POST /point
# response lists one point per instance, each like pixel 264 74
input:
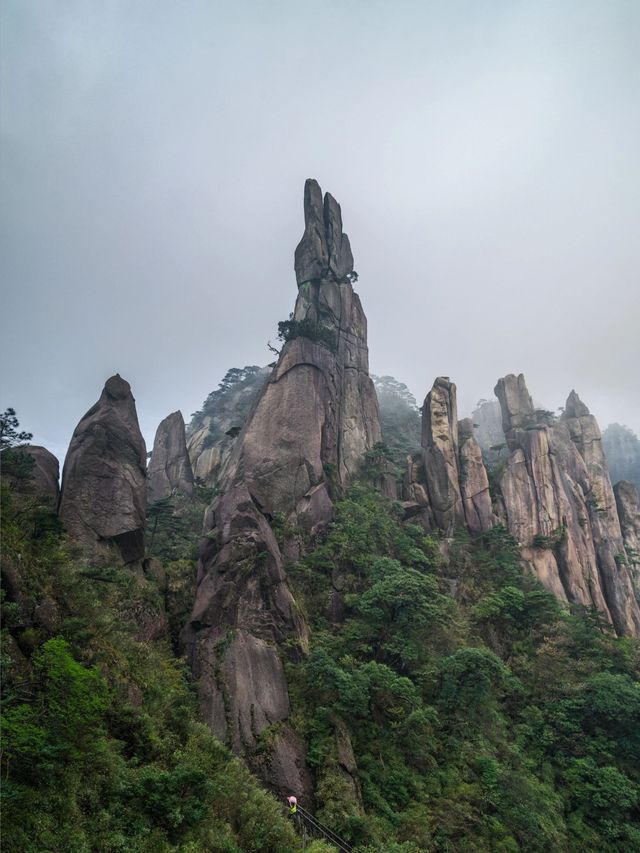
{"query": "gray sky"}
pixel 485 154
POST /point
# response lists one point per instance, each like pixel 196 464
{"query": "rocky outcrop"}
pixel 474 481
pixel 622 449
pixel 446 486
pixel 39 471
pixel 559 505
pixel 440 454
pixel 103 498
pixel 304 440
pixel 169 470
pixel 603 517
pixel 628 505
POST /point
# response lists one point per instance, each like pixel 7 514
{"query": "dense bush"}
pixel 486 720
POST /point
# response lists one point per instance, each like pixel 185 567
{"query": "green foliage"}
pixel 399 418
pixel 489 721
pixel 10 434
pixel 307 328
pixel 101 745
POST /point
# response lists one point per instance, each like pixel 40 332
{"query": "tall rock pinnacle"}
pixel 103 499
pixel 169 469
pixel 316 417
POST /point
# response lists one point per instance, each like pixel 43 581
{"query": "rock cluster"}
pixel 560 505
pixel 305 438
pixel 103 499
pixel 446 485
pixel 169 470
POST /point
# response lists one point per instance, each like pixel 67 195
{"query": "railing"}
pixel 313 825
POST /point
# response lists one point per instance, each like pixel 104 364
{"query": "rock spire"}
pixel 169 469
pixel 103 499
pixel 304 440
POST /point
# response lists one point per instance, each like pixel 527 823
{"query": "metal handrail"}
pixel 329 834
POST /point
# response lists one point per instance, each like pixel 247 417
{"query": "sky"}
pixel 152 163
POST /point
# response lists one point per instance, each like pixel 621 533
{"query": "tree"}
pixel 9 434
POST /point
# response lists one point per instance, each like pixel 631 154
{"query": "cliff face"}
pixel 315 418
pixel 169 469
pixel 560 506
pixel 43 475
pixel 103 499
pixel 622 449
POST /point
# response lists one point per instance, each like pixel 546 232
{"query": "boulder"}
pixel 169 470
pixel 103 499
pixel 42 472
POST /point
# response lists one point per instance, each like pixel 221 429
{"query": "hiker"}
pixel 292 802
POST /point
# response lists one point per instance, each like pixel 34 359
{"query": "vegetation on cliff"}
pixel 453 704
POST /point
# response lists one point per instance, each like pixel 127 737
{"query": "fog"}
pixel 153 157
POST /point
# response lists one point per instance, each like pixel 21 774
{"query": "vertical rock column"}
pixel 103 499
pixel 169 469
pixel 305 438
pixel 474 481
pixel 603 517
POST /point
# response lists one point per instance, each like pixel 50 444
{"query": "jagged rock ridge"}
pixel 560 506
pixel 316 417
pixel 103 500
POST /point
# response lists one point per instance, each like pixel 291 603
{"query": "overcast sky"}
pixel 485 153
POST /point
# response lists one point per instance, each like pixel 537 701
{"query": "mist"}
pixel 153 157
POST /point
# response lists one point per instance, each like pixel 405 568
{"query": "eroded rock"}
pixel 103 498
pixel 169 470
pixel 42 472
pixel 440 454
pixel 304 440
pixel 559 505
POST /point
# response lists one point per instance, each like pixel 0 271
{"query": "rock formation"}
pixel 559 505
pixel 622 449
pixel 43 474
pixel 446 486
pixel 103 498
pixel 474 482
pixel 628 505
pixel 169 469
pixel 440 454
pixel 305 439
